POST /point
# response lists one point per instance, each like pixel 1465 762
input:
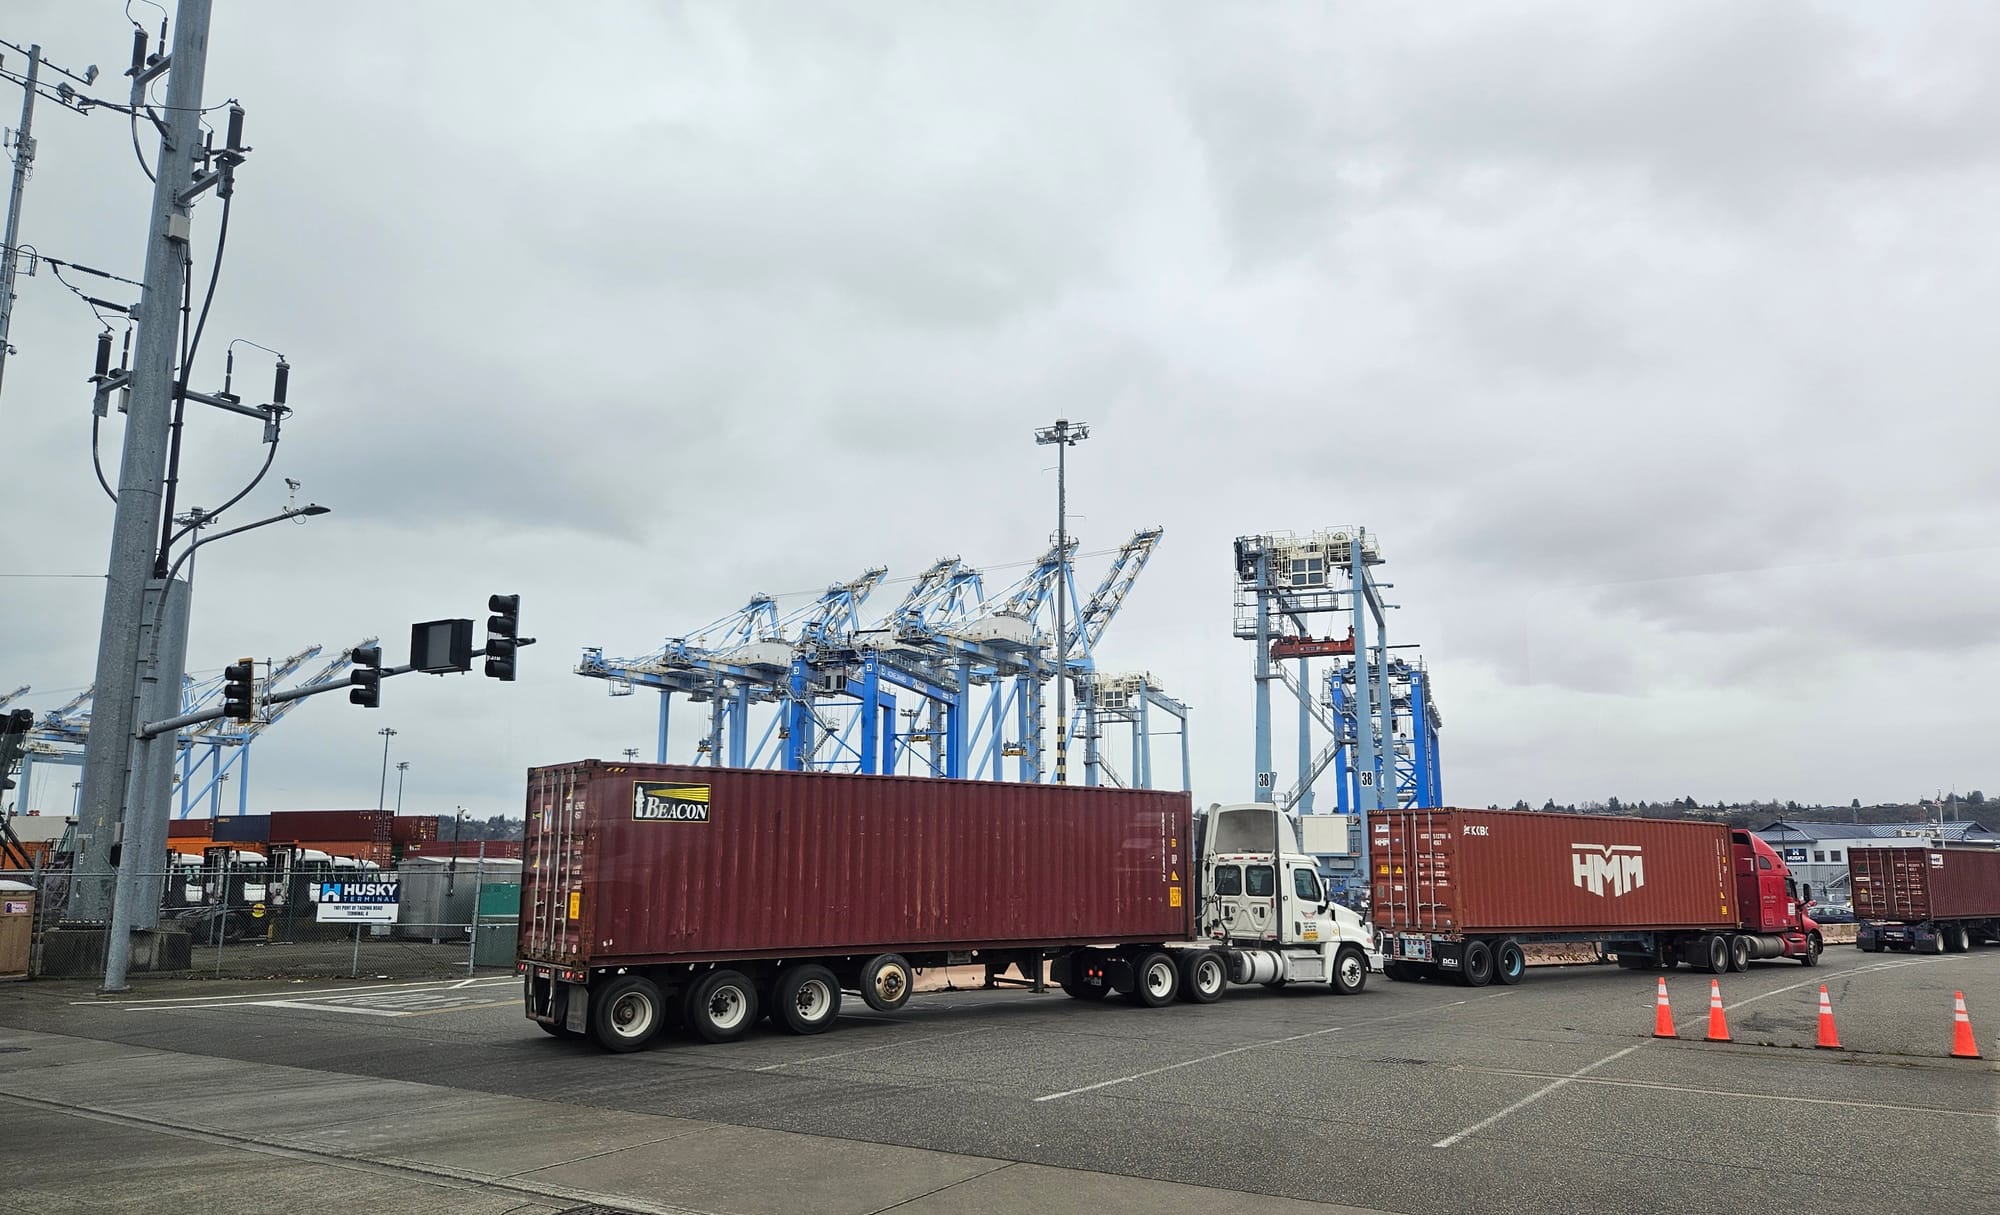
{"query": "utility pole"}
pixel 1064 435
pixel 402 766
pixel 136 524
pixel 24 160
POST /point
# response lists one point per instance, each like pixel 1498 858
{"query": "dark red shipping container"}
pixel 497 849
pixel 1495 871
pixel 413 829
pixel 1915 885
pixel 629 864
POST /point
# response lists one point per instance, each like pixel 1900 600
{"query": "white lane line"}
pixel 772 1067
pixel 198 1001
pixel 1154 1071
pixel 1533 1097
pixel 1731 1092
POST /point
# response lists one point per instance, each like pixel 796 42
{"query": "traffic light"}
pixel 238 697
pixel 503 628
pixel 14 729
pixel 366 676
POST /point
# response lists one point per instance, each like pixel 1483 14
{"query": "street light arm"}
pixel 290 512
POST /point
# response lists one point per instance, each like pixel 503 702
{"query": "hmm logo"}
pixel 1614 868
pixel 656 802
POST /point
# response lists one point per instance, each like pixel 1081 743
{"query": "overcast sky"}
pixel 1654 341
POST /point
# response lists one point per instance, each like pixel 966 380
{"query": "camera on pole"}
pixel 503 628
pixel 366 676
pixel 238 692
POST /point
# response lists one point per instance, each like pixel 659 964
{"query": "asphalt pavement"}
pixel 1420 1098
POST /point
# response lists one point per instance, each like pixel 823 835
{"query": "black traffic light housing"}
pixel 503 630
pixel 238 692
pixel 14 729
pixel 366 676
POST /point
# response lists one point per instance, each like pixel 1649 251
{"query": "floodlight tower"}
pixel 1064 435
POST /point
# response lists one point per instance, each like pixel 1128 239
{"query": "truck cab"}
pixel 1770 907
pixel 1276 919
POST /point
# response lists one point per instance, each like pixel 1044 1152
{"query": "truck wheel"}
pixel 1398 972
pixel 806 1000
pixel 1350 971
pixel 1814 946
pixel 721 1006
pixel 1203 979
pixel 1477 970
pixel 1961 940
pixel 1155 981
pixel 625 1013
pixel 1509 962
pixel 886 982
pixel 1739 954
pixel 1718 955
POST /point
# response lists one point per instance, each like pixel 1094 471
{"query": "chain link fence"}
pixel 232 921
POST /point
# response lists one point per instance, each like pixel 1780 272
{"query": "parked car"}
pixel 1832 913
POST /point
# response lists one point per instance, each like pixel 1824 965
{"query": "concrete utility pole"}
pixel 24 159
pixel 382 794
pixel 1064 435
pixel 108 752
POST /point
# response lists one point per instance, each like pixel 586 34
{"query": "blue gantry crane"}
pixel 948 682
pixel 1372 718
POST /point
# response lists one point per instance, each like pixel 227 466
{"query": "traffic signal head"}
pixel 366 676
pixel 238 695
pixel 503 628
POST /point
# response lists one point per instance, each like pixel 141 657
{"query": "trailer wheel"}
pixel 1961 940
pixel 1476 967
pixel 1739 954
pixel 1350 971
pixel 721 1006
pixel 1203 979
pixel 1717 961
pixel 886 982
pixel 805 1000
pixel 1155 980
pixel 625 1013
pixel 1510 963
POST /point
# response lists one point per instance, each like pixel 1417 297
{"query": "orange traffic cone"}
pixel 1963 1044
pixel 1828 1039
pixel 1718 1025
pixel 1663 1016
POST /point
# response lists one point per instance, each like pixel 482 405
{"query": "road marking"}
pixel 1702 1018
pixel 1154 1071
pixel 198 1001
pixel 432 1012
pixel 1730 1092
pixel 772 1067
pixel 1535 1096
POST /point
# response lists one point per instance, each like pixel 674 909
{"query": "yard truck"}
pixel 712 897
pixel 1926 899
pixel 1460 894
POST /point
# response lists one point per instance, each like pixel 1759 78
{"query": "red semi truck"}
pixel 711 895
pixel 1459 893
pixel 1928 899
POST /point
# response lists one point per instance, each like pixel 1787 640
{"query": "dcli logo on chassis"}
pixel 1613 869
pixel 665 802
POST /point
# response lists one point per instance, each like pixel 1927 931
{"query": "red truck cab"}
pixel 1769 903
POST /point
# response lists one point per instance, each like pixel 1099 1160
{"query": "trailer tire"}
pixel 1477 969
pixel 1156 981
pixel 1717 949
pixel 1203 977
pixel 721 1006
pixel 626 1012
pixel 805 1000
pixel 1961 940
pixel 886 982
pixel 1739 954
pixel 1350 971
pixel 1510 963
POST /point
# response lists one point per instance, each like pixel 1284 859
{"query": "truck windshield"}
pixel 1228 879
pixel 1260 883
